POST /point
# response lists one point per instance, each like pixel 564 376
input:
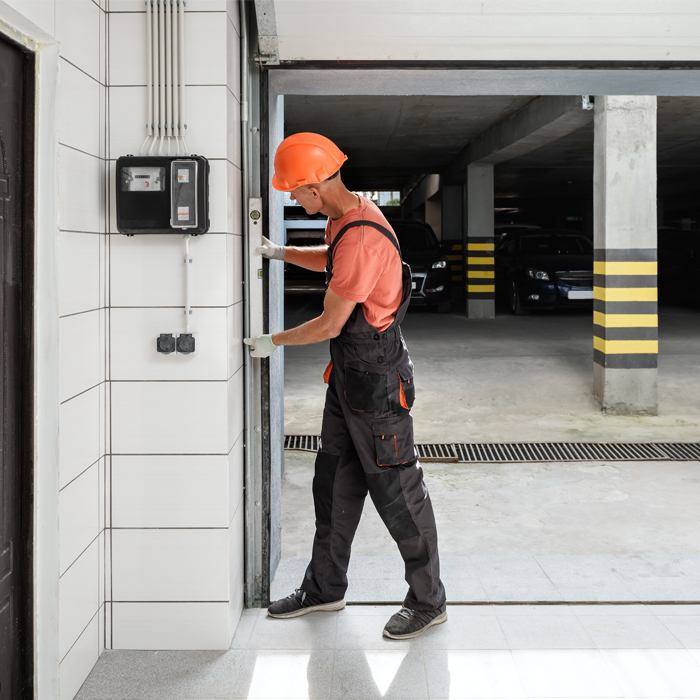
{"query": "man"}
pixel 367 432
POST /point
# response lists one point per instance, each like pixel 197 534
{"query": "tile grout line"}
pixel 70 566
pixel 663 624
pixel 65 486
pixel 79 636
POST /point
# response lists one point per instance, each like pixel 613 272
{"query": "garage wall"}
pixel 176 528
pixel 150 466
pixel 487 30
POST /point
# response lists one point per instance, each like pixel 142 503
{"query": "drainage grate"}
pixel 304 443
pixel 576 451
pixel 536 451
pixel 437 453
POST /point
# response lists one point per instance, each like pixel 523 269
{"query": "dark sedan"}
pixel 679 266
pixel 432 276
pixel 544 269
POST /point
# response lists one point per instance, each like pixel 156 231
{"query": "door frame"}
pixel 427 80
pixel 42 205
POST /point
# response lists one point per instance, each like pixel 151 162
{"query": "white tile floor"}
pixel 483 651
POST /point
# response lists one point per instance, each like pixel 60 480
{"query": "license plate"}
pixel 414 285
pixel 581 294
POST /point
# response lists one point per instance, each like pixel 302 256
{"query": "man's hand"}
pixel 269 250
pixel 262 346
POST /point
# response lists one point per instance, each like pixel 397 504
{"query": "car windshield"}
pixel 555 244
pixel 415 237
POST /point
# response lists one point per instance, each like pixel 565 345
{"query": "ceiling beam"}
pixel 268 45
pixel 539 122
pixel 421 192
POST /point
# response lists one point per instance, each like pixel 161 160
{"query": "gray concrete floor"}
pixel 527 532
pixel 482 651
pixel 511 378
pixel 573 509
pixel 584 532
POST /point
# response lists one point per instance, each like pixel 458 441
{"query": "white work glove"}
pixel 262 346
pixel 269 250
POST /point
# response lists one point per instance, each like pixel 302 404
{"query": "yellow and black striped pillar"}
pixel 481 283
pixel 625 324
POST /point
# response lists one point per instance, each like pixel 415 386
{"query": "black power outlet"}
pixel 165 343
pixel 185 343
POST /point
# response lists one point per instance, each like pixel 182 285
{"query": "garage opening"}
pixel 511 361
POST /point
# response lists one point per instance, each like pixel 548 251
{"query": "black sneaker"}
pixel 300 604
pixel 407 623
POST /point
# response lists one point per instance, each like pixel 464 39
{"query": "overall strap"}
pixel 362 222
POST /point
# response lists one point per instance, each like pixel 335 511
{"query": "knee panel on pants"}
pixel 324 478
pixel 387 495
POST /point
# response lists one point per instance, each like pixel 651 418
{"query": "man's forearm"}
pixel 329 324
pixel 315 331
pixel 310 258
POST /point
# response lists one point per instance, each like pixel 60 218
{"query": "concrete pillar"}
pixel 433 216
pixel 479 244
pixel 452 219
pixel 625 289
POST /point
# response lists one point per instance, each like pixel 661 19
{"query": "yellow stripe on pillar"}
pixel 473 274
pixel 480 261
pixel 481 288
pixel 625 320
pixel 626 347
pixel 624 268
pixel 625 293
pixel 480 246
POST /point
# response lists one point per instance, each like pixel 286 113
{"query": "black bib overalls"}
pixel 367 445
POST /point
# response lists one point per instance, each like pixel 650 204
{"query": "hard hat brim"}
pixel 277 184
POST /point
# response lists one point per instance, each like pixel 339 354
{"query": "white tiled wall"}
pixel 150 446
pixel 80 26
pixel 176 557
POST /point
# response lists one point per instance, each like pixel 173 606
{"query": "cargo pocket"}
pixel 393 440
pixel 366 391
pixel 407 389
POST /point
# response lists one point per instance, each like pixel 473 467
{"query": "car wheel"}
pixel 516 306
pixel 443 308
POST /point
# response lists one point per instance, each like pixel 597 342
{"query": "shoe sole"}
pixel 437 621
pixel 325 607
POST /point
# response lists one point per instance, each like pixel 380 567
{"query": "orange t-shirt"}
pixel 366 265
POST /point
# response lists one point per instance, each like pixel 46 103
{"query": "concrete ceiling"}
pixel 389 138
pixel 565 167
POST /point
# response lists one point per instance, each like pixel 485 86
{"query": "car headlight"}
pixel 439 264
pixel 537 274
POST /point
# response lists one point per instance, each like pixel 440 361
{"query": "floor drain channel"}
pixel 303 443
pixel 482 452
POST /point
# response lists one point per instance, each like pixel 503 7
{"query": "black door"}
pixel 16 264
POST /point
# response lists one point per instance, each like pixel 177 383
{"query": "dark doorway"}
pixel 16 407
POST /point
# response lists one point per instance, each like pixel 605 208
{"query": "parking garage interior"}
pixel 497 377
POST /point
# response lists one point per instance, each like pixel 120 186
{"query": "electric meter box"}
pixel 162 194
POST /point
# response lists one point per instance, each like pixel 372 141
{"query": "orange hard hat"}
pixel 303 159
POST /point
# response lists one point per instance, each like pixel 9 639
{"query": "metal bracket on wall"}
pixel 268 45
pixel 268 51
